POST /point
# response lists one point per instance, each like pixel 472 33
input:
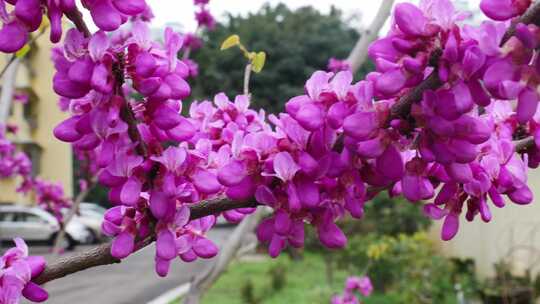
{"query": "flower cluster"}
pixel 109 15
pixel 436 121
pixel 334 148
pixel 192 41
pixel 504 10
pixel 336 65
pixel 50 197
pixel 203 16
pixel 450 140
pixel 12 162
pixel 26 16
pixel 361 285
pixel 17 269
pixel 151 185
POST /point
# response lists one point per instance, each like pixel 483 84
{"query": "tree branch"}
pixel 217 206
pixel 76 17
pixel 71 214
pixel 402 108
pixel 532 15
pixel 101 255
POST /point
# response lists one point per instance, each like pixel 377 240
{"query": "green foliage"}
pixel 258 62
pixel 256 59
pixel 296 44
pixel 278 274
pixel 392 216
pixel 404 264
pixel 305 283
pixel 507 287
pixel 248 293
pixel 232 40
pixel 384 216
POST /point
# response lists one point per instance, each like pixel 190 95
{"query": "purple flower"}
pixel 17 269
pixel 337 65
pixel 352 285
pixel 205 19
pixel 501 10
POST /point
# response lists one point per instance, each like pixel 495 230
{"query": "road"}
pixel 133 281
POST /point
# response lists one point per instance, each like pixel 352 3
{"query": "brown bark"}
pixel 101 255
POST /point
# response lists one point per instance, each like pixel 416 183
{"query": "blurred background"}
pixel 395 244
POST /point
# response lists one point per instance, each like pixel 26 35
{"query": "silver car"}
pixel 36 225
pixel 91 216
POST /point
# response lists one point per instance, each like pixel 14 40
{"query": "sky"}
pixel 182 11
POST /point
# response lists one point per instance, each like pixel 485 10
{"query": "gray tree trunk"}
pixel 358 55
pixel 202 282
pixel 8 89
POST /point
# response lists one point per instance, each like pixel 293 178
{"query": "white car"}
pixel 92 209
pixel 91 216
pixel 36 225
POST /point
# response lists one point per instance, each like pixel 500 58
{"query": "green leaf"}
pixel 22 52
pixel 258 62
pixel 231 41
pixel 250 55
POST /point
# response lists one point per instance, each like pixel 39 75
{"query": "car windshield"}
pixel 93 208
pixel 91 213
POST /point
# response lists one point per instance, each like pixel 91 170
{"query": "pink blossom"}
pixel 17 269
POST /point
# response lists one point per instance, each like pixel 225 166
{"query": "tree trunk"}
pixel 56 250
pixel 8 89
pixel 358 55
pixel 202 282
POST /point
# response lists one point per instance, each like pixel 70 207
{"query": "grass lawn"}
pixel 305 283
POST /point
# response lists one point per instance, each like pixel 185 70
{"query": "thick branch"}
pixel 402 108
pixel 98 256
pixel 207 208
pixel 101 255
pixel 531 16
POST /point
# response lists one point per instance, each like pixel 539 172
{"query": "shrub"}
pixel 405 264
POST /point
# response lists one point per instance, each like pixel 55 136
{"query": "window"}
pixel 32 218
pixel 34 152
pixel 27 217
pixel 7 217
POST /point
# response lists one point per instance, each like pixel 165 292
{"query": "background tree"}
pixel 297 43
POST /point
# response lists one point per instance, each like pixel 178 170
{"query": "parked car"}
pixel 92 209
pixel 91 216
pixel 36 225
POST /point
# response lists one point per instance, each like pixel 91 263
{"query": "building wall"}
pixel 513 234
pixel 56 157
